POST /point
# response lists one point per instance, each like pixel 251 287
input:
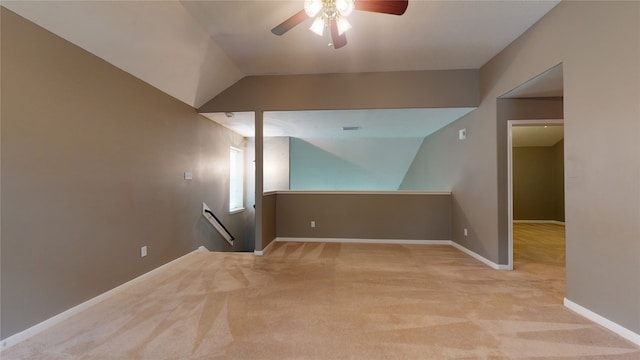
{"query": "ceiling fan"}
pixel 333 13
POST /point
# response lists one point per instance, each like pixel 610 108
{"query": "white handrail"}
pixel 208 214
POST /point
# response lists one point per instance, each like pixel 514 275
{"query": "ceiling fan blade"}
pixel 288 24
pixel 393 7
pixel 337 39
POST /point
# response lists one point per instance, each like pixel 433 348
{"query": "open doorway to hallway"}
pixel 530 112
pixel 536 193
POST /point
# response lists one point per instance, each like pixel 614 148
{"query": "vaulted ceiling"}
pixel 193 50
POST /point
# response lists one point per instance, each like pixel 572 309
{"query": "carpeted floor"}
pixel 337 301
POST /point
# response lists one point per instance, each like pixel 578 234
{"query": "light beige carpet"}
pixel 335 301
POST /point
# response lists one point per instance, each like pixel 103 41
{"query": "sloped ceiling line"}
pixel 193 50
pixel 156 41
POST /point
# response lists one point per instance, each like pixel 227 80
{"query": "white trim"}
pixel 261 252
pixel 510 193
pixel 481 258
pixel 202 249
pixel 365 241
pixel 55 320
pixel 600 320
pixel 219 227
pixel 401 242
pixel 333 192
pixel 236 211
pixel 236 180
pixel 556 222
pixel 510 125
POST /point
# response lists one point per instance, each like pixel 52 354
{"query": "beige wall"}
pixel 363 215
pixel 598 44
pixel 467 168
pixel 538 183
pixel 385 90
pixel 92 169
pixel 558 183
pixel 268 219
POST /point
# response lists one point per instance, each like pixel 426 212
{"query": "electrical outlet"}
pixel 143 251
pixel 466 232
pixel 313 223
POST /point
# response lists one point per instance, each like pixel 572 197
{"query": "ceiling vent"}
pixel 350 128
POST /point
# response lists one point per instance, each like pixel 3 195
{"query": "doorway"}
pixel 536 187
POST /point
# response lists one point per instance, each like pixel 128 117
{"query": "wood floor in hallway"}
pixel 538 243
pixel 338 301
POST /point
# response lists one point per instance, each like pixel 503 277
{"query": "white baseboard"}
pixel 600 320
pixel 42 326
pixel 402 242
pixel 556 222
pixel 200 249
pixel 264 250
pixel 480 257
pixel 365 241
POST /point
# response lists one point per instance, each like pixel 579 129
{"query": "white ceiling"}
pixel 430 35
pixel 159 42
pixel 534 136
pixel 193 50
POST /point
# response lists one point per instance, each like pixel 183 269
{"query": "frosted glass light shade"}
pixel 343 25
pixel 312 7
pixel 318 25
pixel 344 7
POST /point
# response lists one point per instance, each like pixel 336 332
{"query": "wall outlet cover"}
pixel 462 134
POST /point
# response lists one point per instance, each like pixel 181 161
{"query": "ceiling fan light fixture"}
pixel 344 7
pixel 343 25
pixel 332 14
pixel 318 25
pixel 312 7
